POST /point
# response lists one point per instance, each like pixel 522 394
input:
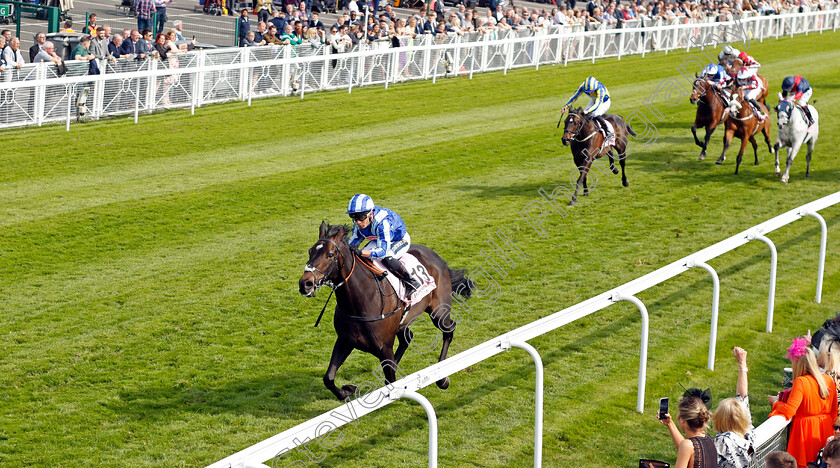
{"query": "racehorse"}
pixel 588 145
pixel 744 124
pixel 711 110
pixel 368 313
pixel 793 133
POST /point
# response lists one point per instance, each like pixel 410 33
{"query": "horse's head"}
pixel 736 66
pixel 698 90
pixel 326 259
pixel 736 100
pixel 574 124
pixel 783 110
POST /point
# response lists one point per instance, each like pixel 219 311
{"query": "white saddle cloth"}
pixel 417 271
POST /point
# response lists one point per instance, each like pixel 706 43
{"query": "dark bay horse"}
pixel 368 313
pixel 587 144
pixel 744 124
pixel 711 111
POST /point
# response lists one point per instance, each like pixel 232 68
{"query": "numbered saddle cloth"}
pixel 417 271
pixel 611 129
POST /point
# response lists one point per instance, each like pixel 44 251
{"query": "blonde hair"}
pixel 807 365
pixel 829 357
pixel 732 416
pixel 694 412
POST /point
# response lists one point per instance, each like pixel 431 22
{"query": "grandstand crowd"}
pixel 810 404
pixel 293 22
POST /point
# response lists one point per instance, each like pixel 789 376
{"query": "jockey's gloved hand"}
pixel 355 250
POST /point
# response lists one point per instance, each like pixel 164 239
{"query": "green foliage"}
pixel 151 314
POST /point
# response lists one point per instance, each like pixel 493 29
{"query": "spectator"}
pixel 160 8
pixel 90 29
pixel 303 13
pixel 733 423
pixel 178 26
pixel 82 50
pixel 829 353
pixel 315 22
pixel 12 58
pixel 264 9
pixel 99 45
pixel 244 24
pixel 812 404
pixel 48 55
pixel 144 46
pixel 697 449
pixel 107 33
pixel 279 20
pixel 271 36
pixel 259 33
pixel 248 40
pixel 40 40
pixel 831 454
pixel 114 46
pixel 144 10
pixel 779 459
pixel 129 45
pixel 820 461
pixel 68 27
pixel 160 49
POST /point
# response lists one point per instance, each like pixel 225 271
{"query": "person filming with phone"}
pixel 696 449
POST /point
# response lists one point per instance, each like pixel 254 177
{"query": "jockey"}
pixel 599 103
pixel 749 63
pixel 388 237
pixel 752 84
pixel 716 75
pixel 727 56
pixel 801 90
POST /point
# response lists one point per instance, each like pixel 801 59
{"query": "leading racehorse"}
pixel 744 124
pixel 711 111
pixel 368 313
pixel 588 145
pixel 793 133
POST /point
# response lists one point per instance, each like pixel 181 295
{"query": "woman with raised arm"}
pixel 733 423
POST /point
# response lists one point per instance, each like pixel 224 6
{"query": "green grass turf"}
pixel 149 272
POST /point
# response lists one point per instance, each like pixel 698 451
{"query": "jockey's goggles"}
pixel 359 216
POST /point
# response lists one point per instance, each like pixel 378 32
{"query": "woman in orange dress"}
pixel 812 403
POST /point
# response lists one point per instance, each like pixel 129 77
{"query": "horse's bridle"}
pixel 711 88
pixel 580 127
pixel 325 276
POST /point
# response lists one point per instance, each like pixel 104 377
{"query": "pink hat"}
pixel 797 349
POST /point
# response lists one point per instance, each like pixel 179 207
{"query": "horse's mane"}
pixel 336 229
pixel 581 114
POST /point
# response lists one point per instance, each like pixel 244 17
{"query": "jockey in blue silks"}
pixel 599 102
pixel 389 239
pixel 716 75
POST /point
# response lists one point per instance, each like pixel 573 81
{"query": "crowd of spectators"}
pixel 810 404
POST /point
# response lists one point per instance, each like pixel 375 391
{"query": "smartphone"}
pixel 663 408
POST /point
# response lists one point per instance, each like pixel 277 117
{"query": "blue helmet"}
pixel 787 84
pixel 359 204
pixel 711 69
pixel 590 84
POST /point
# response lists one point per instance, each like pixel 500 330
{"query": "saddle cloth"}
pixel 417 271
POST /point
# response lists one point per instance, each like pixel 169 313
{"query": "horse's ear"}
pixel 322 231
pixel 696 75
pixel 781 97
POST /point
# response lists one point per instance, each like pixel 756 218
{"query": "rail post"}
pixel 538 394
pixel 640 398
pixel 773 259
pixel 715 306
pixel 398 393
pixel 823 242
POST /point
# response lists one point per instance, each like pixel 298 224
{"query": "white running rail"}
pixel 35 95
pixel 310 430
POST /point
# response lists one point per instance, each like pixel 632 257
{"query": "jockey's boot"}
pixel 397 268
pixel 608 135
pixel 761 115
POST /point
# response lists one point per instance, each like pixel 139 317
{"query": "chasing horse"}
pixel 371 310
pixel 711 104
pixel 744 122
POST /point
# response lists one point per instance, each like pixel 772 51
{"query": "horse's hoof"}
pixel 784 180
pixel 755 164
pixel 348 391
pixel 701 157
pixel 443 383
pixel 573 203
pixel 615 170
pixel 720 160
pixel 625 183
pixel 778 173
pixel 807 176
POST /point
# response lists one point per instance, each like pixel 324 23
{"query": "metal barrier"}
pixel 768 436
pixel 195 79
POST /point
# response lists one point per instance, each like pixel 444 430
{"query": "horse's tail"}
pixel 630 129
pixel 461 283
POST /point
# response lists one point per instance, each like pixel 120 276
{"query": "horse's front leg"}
pixel 744 142
pixel 755 148
pixel 727 139
pixel 791 155
pixel 578 186
pixel 694 132
pixel 776 148
pixel 808 158
pixel 339 354
pixel 709 131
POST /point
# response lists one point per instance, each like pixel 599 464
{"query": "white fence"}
pixel 35 94
pixel 769 435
